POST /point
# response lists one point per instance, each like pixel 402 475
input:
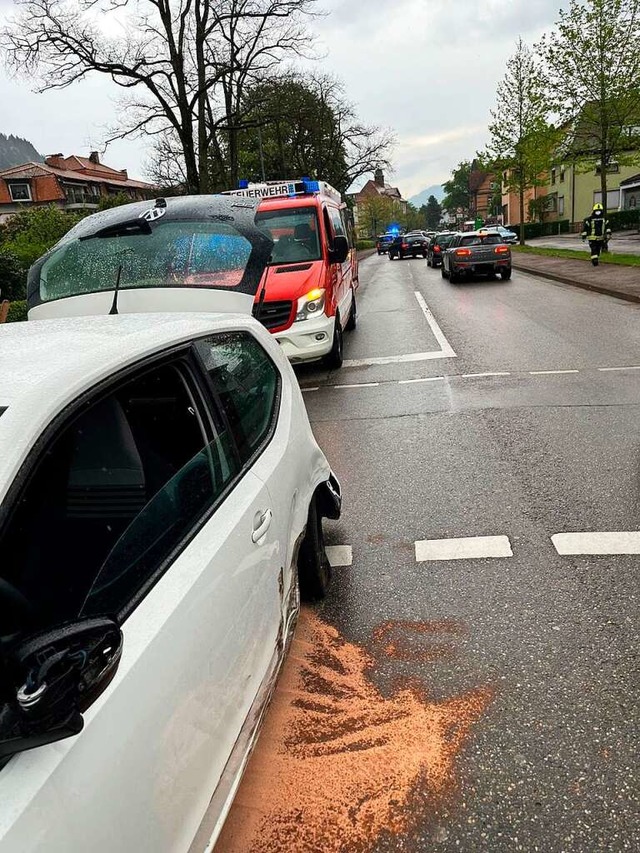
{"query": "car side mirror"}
pixel 339 251
pixel 49 679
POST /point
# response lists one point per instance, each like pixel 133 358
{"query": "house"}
pixel 70 183
pixel 532 196
pixel 482 188
pixel 630 193
pixel 377 189
pixel 575 187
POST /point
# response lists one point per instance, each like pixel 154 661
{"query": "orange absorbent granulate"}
pixel 338 765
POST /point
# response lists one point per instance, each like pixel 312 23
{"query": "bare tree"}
pixel 184 63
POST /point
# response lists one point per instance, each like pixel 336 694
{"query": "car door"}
pixel 176 537
pixel 344 292
pixel 245 381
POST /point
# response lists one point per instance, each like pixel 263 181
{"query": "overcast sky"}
pixel 426 68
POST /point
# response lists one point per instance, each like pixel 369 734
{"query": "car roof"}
pixel 47 364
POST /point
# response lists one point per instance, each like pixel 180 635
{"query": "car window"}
pixel 114 493
pixel 247 384
pixel 336 222
pixel 294 232
pixel 470 241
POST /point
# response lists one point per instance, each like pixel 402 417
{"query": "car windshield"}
pixel 444 240
pixel 174 254
pixel 478 240
pixel 295 234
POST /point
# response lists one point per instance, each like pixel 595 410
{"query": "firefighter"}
pixel 596 230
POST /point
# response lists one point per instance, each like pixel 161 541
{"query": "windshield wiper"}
pixel 128 228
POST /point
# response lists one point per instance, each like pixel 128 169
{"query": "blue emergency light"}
pixel 311 186
pixel 243 184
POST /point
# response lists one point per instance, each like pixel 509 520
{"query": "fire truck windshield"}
pixel 294 233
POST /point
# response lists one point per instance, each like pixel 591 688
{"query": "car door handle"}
pixel 261 525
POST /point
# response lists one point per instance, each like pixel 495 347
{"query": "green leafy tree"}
pixel 375 214
pixel 456 189
pixel 522 141
pixel 12 276
pixel 592 61
pixel 24 238
pixel 433 213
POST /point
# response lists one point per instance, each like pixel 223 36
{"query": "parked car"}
pixel 408 246
pixel 161 506
pixel 383 242
pixel 476 253
pixel 437 244
pixel 508 236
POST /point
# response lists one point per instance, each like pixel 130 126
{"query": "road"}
pixel 470 426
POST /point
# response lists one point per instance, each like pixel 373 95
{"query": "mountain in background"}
pixel 14 151
pixel 423 197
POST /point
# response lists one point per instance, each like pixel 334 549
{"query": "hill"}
pixel 422 198
pixel 14 151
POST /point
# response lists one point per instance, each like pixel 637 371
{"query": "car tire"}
pixel 352 322
pixel 443 272
pixel 506 275
pixel 314 569
pixel 428 261
pixel 424 254
pixel 390 256
pixel 454 278
pixel 334 358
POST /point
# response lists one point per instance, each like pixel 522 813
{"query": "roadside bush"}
pixel 541 229
pixel 624 220
pixel 362 245
pixel 17 311
pixel 31 233
pixel 12 276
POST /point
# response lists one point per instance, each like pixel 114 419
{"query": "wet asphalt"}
pixel 552 764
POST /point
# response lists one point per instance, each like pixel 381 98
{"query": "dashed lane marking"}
pixel 468 548
pixel 307 390
pixel 597 543
pixel 339 555
pixel 359 385
pixel 479 375
pixel 425 379
pixel 612 369
pixel 550 372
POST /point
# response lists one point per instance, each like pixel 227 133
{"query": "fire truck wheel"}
pixel 333 359
pixel 352 322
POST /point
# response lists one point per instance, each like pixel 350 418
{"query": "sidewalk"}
pixel 622 282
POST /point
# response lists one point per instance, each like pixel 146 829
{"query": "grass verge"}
pixel 571 254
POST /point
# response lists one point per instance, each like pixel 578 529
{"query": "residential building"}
pixel 70 183
pixel 482 188
pixel 376 189
pixel 511 200
pixel 575 187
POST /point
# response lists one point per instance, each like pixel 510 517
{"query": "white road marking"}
pixel 438 334
pixel 612 369
pixel 550 372
pixel 597 543
pixel 309 390
pixel 468 548
pixel 339 555
pixel 425 379
pixel 396 359
pixel 478 375
pixel 359 385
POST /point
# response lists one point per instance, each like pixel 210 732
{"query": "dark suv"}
pixel 383 242
pixel 409 246
pixel 437 245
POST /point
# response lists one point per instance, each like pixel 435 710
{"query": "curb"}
pixel 594 288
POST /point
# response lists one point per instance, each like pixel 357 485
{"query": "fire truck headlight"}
pixel 310 304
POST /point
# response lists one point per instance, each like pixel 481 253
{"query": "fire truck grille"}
pixel 274 314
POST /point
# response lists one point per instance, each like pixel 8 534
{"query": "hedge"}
pixel 541 229
pixel 624 220
pixel 17 311
pixel 361 245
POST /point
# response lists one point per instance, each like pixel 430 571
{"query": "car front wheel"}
pixel 314 569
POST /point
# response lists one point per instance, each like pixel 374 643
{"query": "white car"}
pixel 509 237
pixel 161 505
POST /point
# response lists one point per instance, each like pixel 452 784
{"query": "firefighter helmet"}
pixel 598 208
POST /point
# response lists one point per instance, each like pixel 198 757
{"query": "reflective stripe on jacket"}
pixel 596 228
